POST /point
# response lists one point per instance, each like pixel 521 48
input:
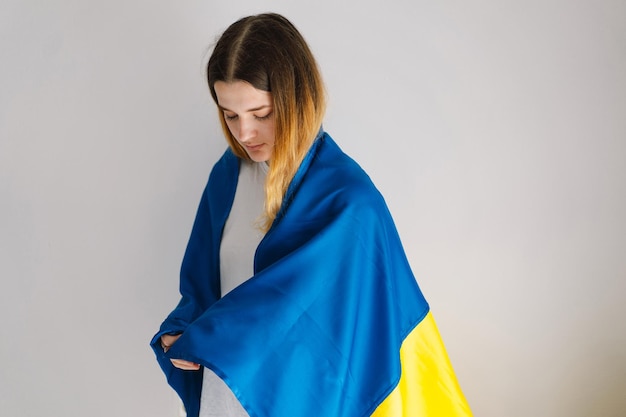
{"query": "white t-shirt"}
pixel 239 242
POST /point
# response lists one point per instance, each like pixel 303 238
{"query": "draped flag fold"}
pixel 332 323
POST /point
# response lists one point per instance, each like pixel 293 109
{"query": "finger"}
pixel 185 365
pixel 168 339
pixel 171 338
pixel 189 367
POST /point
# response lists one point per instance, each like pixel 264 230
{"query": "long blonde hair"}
pixel 268 52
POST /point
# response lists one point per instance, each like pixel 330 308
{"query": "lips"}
pixel 253 147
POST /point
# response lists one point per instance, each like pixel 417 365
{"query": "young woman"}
pixel 297 297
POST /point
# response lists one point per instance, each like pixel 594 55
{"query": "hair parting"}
pixel 269 53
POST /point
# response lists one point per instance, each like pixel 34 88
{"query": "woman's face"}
pixel 249 115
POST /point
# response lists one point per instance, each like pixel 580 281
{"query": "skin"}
pixel 249 116
pixel 167 340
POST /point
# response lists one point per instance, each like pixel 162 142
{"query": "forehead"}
pixel 241 96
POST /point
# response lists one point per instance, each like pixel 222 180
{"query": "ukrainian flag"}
pixel 427 385
pixel 332 323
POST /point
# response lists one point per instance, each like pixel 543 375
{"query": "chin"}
pixel 260 156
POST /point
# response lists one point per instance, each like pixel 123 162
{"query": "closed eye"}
pixel 267 116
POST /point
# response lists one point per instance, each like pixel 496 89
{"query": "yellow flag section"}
pixel 428 386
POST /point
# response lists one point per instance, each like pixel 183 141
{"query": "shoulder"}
pixel 226 167
pixel 345 171
pixel 227 164
pixel 337 175
pixel 222 180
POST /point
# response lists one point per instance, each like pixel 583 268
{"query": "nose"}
pixel 247 131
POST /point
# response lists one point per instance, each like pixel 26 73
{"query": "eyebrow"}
pixel 249 110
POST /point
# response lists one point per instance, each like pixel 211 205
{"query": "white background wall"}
pixel 495 129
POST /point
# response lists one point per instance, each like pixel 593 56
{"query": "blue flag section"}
pixel 332 323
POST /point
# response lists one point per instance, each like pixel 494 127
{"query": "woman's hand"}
pixel 167 340
pixel 185 365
